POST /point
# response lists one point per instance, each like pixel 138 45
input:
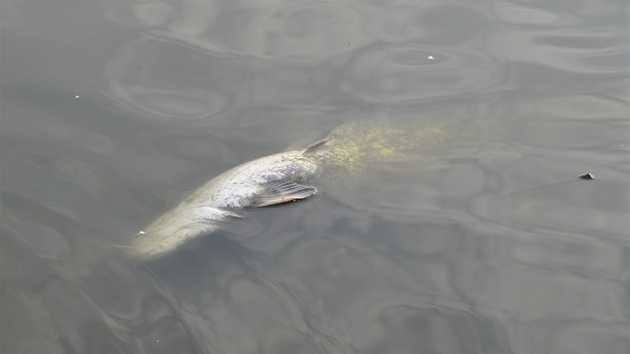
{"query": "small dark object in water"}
pixel 587 176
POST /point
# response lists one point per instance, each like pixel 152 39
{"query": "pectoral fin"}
pixel 279 192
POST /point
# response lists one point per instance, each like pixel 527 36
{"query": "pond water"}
pixel 113 112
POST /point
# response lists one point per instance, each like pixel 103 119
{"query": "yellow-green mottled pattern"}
pixel 355 146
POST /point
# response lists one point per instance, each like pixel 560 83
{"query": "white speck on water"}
pixel 430 57
pixel 77 96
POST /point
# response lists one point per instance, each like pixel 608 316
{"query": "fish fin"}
pixel 307 145
pixel 316 144
pixel 298 145
pixel 279 192
pixel 229 214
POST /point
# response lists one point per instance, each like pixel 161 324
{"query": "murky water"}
pixel 112 112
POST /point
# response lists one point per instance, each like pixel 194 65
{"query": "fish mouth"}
pixel 154 245
pixel 173 231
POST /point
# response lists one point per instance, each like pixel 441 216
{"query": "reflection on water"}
pixel 161 79
pixel 113 112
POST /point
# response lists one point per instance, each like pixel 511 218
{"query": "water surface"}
pixel 112 112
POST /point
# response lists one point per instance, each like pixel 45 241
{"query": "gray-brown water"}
pixel 113 112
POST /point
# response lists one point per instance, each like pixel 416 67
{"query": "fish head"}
pixel 176 228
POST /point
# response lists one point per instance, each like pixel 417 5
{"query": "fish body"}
pixel 266 181
pixel 349 150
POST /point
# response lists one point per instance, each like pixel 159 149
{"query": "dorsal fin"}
pixel 316 144
pixel 279 192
